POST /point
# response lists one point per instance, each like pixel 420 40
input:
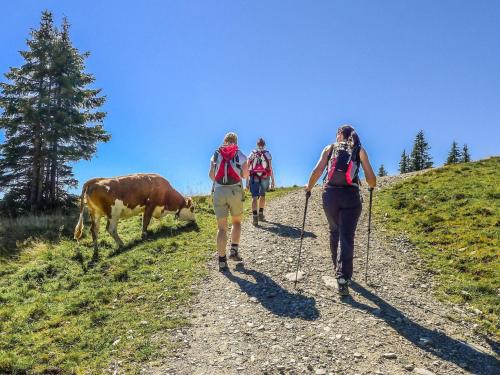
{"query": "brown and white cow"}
pixel 125 196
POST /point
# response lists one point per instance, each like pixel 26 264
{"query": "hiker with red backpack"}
pixel 260 180
pixel 341 197
pixel 228 168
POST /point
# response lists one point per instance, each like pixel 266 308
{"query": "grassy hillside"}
pixel 57 314
pixel 452 215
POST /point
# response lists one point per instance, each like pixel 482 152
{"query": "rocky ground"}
pixel 251 320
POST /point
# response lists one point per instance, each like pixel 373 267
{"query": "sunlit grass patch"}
pixel 452 215
pixel 58 313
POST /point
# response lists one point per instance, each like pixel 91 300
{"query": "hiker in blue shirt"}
pixel 260 180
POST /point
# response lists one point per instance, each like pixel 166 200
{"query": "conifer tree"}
pixel 381 171
pixel 50 119
pixel 465 154
pixel 454 156
pixel 25 103
pixel 404 163
pixel 420 157
pixel 77 125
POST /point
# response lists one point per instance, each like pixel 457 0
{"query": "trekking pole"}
pixel 370 189
pixel 308 195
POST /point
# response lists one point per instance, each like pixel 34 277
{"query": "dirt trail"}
pixel 252 321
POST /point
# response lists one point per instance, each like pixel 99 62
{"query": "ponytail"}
pixel 350 136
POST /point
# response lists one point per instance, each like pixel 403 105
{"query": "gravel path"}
pixel 251 320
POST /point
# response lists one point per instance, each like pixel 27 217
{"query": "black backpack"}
pixel 343 165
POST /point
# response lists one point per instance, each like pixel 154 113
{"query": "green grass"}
pixel 59 315
pixel 13 232
pixel 452 215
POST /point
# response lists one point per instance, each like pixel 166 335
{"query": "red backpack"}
pixel 227 165
pixel 258 164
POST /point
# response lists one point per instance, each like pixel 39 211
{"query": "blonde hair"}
pixel 231 138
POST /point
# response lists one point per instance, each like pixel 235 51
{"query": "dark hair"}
pixel 261 142
pixel 350 135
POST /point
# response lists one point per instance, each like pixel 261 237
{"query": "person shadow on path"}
pixel 283 230
pixel 434 342
pixel 273 297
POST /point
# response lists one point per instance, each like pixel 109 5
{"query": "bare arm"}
pixel 211 172
pixel 273 181
pixel 318 169
pixel 367 168
pixel 244 170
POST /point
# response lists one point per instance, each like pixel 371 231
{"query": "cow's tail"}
pixel 79 226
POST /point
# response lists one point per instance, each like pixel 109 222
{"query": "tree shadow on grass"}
pixel 283 230
pixel 162 232
pixel 273 297
pixel 16 233
pixel 447 348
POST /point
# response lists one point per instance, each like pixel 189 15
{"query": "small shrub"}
pixel 484 211
pixel 120 275
pixel 98 318
pixel 400 203
pixel 493 194
pixel 36 313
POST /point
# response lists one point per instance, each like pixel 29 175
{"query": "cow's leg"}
pixel 112 226
pixel 94 229
pixel 146 219
pixel 112 230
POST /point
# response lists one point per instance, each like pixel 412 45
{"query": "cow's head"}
pixel 187 211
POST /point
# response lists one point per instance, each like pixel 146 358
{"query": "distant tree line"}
pixel 420 157
pixel 50 118
pixel 458 156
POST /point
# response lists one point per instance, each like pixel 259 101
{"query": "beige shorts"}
pixel 228 199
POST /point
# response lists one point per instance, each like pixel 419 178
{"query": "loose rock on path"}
pixel 251 320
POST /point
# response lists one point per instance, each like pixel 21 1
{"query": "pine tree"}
pixel 454 155
pixel 381 171
pixel 465 154
pixel 77 125
pixel 420 158
pixel 25 102
pixel 50 119
pixel 404 163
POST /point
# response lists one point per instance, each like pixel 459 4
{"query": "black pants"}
pixel 342 207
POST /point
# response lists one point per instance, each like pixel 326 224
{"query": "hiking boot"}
pixel 234 255
pixel 222 264
pixel 261 216
pixel 255 220
pixel 343 287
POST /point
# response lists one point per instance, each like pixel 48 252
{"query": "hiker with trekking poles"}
pixel 228 169
pixel 260 180
pixel 341 197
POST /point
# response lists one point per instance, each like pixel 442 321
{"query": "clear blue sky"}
pixel 179 74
